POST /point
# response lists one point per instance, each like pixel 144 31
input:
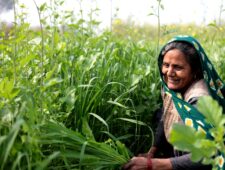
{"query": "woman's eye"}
pixel 165 65
pixel 178 67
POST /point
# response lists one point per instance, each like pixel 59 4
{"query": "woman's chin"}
pixel 173 87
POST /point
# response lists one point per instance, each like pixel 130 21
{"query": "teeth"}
pixel 173 81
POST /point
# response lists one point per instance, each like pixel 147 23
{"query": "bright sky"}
pixel 175 11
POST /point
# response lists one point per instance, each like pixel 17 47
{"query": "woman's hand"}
pixel 136 163
pixel 150 153
pixel 140 163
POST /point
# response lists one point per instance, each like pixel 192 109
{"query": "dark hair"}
pixel 190 53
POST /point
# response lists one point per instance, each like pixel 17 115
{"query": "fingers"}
pixel 146 155
pixel 129 164
pixel 150 155
pixel 142 155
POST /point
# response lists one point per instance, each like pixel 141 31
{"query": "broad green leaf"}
pixel 187 139
pixel 182 137
pixel 7 89
pixel 211 110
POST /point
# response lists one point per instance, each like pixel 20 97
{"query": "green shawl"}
pixel 214 83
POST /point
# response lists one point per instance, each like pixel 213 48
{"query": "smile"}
pixel 172 81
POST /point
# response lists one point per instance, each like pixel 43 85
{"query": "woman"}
pixel 186 75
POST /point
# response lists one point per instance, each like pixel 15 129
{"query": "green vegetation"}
pixel 209 151
pixel 74 98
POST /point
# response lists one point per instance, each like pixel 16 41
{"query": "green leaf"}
pixel 100 119
pixel 134 121
pixel 86 129
pixel 182 137
pixel 52 82
pixel 42 7
pixel 50 74
pixel 122 149
pixel 117 104
pixel 187 139
pixel 211 110
pixel 48 160
pixel 7 89
pixel 9 142
pixel 82 153
pixel 24 61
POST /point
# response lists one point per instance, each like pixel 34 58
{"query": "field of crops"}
pixel 72 97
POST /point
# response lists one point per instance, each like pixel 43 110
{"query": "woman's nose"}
pixel 170 71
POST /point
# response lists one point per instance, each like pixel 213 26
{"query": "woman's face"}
pixel 176 70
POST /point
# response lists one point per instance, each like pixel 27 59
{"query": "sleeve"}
pixel 184 163
pixel 165 149
pixel 159 135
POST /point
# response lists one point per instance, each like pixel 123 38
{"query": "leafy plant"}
pixel 78 151
pixel 101 87
pixel 209 151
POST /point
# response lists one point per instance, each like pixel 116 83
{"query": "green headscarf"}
pixel 216 87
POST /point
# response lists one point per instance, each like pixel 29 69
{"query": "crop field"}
pixel 73 97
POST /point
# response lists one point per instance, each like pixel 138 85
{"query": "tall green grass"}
pixel 100 89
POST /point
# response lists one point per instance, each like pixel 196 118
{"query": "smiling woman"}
pixel 182 62
pixel 179 67
pixel 176 70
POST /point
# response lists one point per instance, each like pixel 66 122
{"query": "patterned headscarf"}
pixel 216 87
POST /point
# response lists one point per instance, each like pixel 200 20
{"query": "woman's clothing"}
pixel 182 109
pixel 171 115
pixel 180 160
pixel 215 86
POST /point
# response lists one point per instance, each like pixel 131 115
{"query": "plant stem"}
pixel 159 25
pixel 42 49
pixel 15 43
